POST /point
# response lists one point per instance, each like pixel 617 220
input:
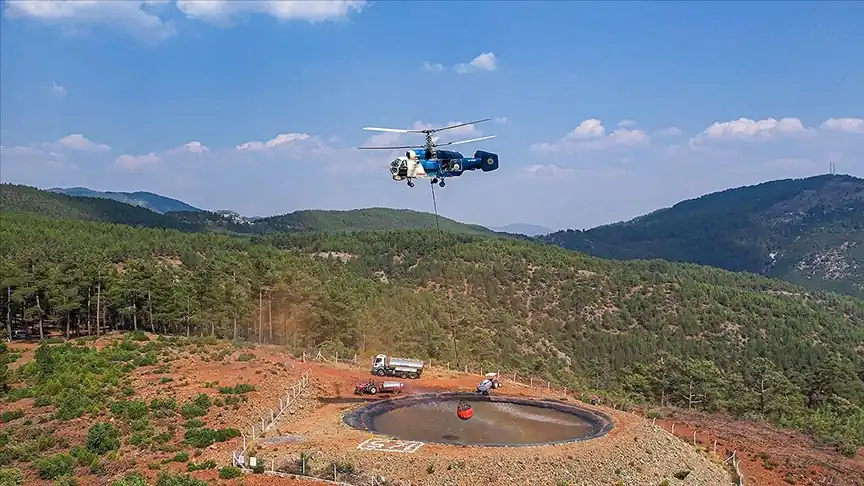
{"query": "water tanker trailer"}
pixel 384 365
pixel 372 388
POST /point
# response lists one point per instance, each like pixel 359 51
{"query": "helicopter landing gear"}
pixel 440 183
pixel 410 184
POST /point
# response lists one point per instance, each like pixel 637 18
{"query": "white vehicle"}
pixel 384 365
pixel 490 382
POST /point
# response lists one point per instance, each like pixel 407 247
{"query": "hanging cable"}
pixel 435 206
pixel 437 226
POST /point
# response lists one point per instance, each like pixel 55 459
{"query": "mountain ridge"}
pixel 150 200
pixel 809 231
pixel 31 200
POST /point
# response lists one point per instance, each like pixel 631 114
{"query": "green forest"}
pixel 644 332
pixel 808 231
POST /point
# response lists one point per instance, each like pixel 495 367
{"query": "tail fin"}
pixel 488 160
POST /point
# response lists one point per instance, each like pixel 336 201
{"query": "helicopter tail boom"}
pixel 485 161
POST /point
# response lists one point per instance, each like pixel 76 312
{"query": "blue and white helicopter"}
pixel 428 162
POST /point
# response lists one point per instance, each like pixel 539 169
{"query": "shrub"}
pixel 237 389
pixel 10 477
pixel 131 479
pixel 197 407
pixel 102 437
pixel 138 336
pixel 166 479
pixel 65 481
pixel 230 472
pixel 208 464
pixel 11 415
pixel 206 437
pixel 55 466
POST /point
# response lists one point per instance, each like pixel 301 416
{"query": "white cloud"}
pixel 547 170
pixel 484 62
pixel 58 89
pixel 747 129
pixel 149 20
pixel 591 135
pixel 77 141
pixel 150 160
pixel 134 17
pixel 135 162
pixel 668 132
pixel 626 123
pixel 435 67
pixel 500 119
pixel 287 143
pixel 73 142
pixel 851 125
pixel 193 147
pixel 222 11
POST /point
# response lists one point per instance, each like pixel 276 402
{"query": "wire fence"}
pixel 268 419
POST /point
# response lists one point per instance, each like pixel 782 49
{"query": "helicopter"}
pixel 428 162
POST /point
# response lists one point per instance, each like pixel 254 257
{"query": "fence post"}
pixel 673 428
pixel 715 445
pixel 694 437
pixel 531 383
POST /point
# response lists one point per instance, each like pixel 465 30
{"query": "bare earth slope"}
pixel 634 453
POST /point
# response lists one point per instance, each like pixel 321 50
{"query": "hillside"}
pixel 29 200
pixel 369 219
pixel 807 231
pixel 650 331
pixel 153 202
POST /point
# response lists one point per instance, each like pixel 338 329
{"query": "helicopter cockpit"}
pixel 399 168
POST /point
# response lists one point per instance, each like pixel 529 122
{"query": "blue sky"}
pixel 602 111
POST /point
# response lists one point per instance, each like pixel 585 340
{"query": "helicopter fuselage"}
pixel 447 163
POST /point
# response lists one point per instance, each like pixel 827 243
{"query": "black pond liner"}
pixel 363 418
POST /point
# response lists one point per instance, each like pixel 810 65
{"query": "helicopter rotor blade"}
pixel 467 141
pixel 393 130
pixel 389 148
pixel 433 130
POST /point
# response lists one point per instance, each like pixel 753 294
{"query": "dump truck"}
pixel 372 388
pixel 384 365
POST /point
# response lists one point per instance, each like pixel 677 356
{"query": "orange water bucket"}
pixel 464 411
